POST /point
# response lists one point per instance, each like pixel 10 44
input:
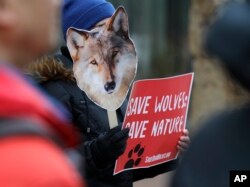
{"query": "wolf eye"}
pixel 114 53
pixel 93 62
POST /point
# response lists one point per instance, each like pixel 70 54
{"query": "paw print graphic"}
pixel 134 156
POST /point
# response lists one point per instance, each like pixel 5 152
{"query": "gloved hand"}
pixel 108 147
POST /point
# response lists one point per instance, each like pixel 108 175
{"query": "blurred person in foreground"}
pixel 33 132
pixel 102 145
pixel 223 143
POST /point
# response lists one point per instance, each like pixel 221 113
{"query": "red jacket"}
pixel 27 159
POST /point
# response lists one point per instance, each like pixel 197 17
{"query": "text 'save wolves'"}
pixel 166 103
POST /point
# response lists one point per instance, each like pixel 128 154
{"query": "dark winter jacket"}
pixel 222 145
pixel 91 121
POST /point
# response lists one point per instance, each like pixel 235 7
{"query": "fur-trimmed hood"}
pixel 50 68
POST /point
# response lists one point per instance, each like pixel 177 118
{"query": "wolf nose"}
pixel 110 86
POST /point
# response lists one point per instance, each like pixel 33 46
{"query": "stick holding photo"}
pixel 105 61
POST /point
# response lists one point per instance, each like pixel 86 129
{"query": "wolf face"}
pixel 104 59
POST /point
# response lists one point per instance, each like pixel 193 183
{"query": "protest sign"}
pixel 156 115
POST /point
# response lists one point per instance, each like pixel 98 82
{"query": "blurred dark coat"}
pixel 222 145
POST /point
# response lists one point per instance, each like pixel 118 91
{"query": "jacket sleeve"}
pixel 56 90
pixel 139 174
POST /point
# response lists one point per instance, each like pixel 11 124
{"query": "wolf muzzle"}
pixel 110 86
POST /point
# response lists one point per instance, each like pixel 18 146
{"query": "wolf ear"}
pixel 119 22
pixel 75 39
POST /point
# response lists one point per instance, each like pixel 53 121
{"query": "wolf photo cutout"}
pixel 104 60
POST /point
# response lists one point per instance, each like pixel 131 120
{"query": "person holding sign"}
pixel 104 65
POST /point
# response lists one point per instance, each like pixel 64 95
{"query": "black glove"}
pixel 108 147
